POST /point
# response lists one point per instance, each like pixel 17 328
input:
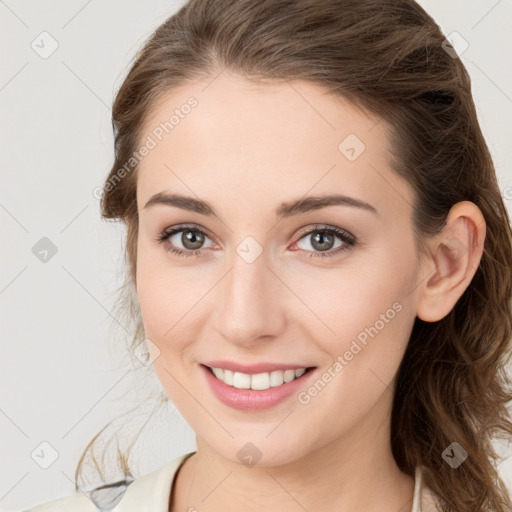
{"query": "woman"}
pixel 321 260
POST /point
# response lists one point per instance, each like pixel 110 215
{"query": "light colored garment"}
pixel 151 492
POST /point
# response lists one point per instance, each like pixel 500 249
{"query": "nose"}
pixel 250 303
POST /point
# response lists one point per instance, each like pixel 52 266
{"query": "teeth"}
pixel 258 381
pixel 228 377
pixel 241 380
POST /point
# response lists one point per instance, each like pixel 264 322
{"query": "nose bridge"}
pixel 249 306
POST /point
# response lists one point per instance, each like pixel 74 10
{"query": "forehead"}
pixel 228 135
pixel 256 112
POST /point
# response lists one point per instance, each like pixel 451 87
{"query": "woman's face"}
pixel 262 282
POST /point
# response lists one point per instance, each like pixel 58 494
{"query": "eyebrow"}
pixel 286 209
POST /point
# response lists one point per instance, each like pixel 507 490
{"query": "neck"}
pixel 335 476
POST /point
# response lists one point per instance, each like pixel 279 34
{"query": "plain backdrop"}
pixel 61 377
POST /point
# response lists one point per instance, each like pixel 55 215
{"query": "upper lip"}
pixel 254 367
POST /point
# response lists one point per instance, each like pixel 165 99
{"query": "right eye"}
pixel 190 237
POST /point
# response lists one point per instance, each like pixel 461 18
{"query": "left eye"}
pixel 322 240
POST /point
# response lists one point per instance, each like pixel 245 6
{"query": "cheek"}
pixel 370 328
pixel 364 315
pixel 162 293
pixel 172 301
pixel 166 309
pixel 347 302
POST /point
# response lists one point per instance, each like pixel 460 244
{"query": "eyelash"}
pixel 345 237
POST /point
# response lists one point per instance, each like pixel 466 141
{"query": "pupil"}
pixel 319 240
pixel 192 239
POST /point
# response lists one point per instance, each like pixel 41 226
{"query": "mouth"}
pixel 252 392
pixel 257 381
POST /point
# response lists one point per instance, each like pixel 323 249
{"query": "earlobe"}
pixel 455 255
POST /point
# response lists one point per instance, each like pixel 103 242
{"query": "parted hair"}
pixel 390 59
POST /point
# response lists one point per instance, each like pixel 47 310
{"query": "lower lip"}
pixel 252 399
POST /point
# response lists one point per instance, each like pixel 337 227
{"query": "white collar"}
pixel 151 492
pixel 418 481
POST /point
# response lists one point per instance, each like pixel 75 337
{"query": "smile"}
pixel 258 381
pixel 255 391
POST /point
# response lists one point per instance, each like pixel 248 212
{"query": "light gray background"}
pixel 60 380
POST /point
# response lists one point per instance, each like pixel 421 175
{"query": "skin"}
pixel 245 149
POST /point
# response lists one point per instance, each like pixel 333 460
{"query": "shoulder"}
pixel 151 488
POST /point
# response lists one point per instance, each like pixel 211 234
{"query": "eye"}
pixel 323 239
pixel 190 237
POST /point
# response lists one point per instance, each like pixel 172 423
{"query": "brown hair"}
pixel 390 59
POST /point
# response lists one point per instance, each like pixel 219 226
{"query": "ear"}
pixel 453 260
